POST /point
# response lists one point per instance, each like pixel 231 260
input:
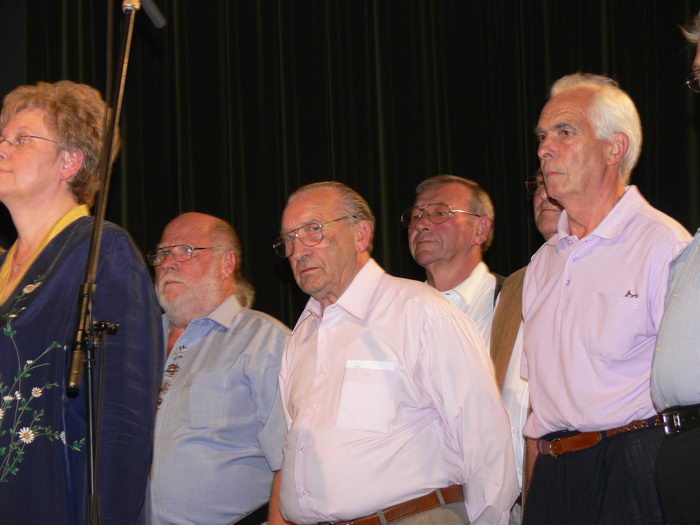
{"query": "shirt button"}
pixel 323 370
pixel 513 431
pixel 302 449
pixel 567 282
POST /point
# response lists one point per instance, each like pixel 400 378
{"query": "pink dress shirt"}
pixel 389 394
pixel 592 309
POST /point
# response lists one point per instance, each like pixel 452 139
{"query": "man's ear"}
pixel 363 235
pixel 228 264
pixel 482 229
pixel 619 146
pixel 72 163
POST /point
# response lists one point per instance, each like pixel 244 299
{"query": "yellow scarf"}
pixel 6 287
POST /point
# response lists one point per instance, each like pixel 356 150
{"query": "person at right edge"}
pixel 675 373
pixel 593 299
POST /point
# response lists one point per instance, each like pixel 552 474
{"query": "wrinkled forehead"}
pixel 571 106
pixel 184 232
pixel 319 205
pixel 453 194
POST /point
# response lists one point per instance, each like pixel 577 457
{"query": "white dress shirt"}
pixel 388 395
pixel 475 297
pixel 515 399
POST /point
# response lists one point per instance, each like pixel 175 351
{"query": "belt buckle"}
pixel 555 455
pixel 672 423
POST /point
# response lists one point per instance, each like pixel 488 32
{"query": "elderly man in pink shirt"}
pixel 592 302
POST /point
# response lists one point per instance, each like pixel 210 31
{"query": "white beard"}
pixel 199 298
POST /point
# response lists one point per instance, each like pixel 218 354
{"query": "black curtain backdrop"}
pixel 236 103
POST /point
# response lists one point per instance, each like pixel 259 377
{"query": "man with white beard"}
pixel 219 425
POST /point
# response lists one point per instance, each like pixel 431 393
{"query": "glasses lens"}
pixel 534 184
pixel 410 217
pixel 182 252
pixel 280 245
pixel 311 234
pixel 154 257
pixel 438 213
pixel 693 83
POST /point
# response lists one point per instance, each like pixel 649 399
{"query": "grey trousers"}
pixel 450 514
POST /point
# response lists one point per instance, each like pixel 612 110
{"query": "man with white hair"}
pixel 219 424
pixel 592 302
pixel 675 374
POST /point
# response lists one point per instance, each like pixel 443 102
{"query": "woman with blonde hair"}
pixel 49 156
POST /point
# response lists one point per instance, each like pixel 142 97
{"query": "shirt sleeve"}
pixel 266 394
pixel 130 368
pixel 454 370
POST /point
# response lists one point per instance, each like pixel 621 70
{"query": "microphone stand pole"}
pixel 90 334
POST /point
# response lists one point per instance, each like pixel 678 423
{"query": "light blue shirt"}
pixel 219 428
pixel 675 374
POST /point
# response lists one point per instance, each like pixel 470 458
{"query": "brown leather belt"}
pixel 399 511
pixel 583 440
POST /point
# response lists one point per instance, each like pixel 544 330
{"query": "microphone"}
pixel 151 9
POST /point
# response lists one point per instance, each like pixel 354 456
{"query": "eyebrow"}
pixel 558 125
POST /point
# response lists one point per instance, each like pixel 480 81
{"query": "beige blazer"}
pixel 506 322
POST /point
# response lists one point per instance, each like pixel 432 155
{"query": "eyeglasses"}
pixel 693 82
pixel 436 212
pixel 180 252
pixel 309 235
pixel 534 184
pixel 22 141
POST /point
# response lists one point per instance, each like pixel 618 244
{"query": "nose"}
pixel 168 263
pixel 545 150
pixel 5 148
pixel 299 249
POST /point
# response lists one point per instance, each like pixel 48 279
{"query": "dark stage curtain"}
pixel 236 103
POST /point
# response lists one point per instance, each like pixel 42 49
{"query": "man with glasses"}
pixel 507 334
pixel 675 374
pixel 219 424
pixel 392 411
pixel 450 226
pixel 592 302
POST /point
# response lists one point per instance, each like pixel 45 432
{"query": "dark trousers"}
pixel 678 477
pixel 255 518
pixel 609 484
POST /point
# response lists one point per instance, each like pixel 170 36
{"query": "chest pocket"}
pixel 617 324
pixel 368 399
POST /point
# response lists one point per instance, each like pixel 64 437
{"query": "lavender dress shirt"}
pixel 592 309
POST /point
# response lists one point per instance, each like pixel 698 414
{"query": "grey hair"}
pixel 353 202
pixel 692 32
pixel 480 201
pixel 224 234
pixel 612 111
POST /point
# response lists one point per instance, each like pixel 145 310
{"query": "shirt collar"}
pixel 356 298
pixel 469 288
pixel 222 315
pixel 613 223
